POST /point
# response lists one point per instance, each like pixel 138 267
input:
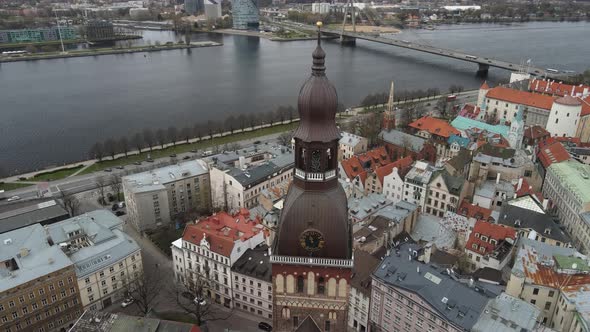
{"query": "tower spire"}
pixel 390 101
pixel 319 56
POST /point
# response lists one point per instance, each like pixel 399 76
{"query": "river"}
pixel 52 111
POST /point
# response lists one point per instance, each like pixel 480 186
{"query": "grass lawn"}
pixel 182 148
pixel 164 237
pixel 56 175
pixel 12 186
pixel 176 317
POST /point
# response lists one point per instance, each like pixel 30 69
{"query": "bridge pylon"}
pixel 482 69
pixel 346 40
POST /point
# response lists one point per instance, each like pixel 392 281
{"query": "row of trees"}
pixel 149 138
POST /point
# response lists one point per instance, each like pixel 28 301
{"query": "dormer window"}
pixel 484 238
pixel 517 222
pixel 477 235
pixel 482 249
pixel 474 246
pixel 547 231
pixel 493 241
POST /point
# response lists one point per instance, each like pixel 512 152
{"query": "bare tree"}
pixel 172 135
pixel 242 121
pixel 230 124
pixel 186 134
pixel 116 185
pixel 110 147
pixel 234 146
pixel 97 151
pixel 370 127
pixel 100 187
pixel 148 138
pixel 252 120
pixel 161 137
pixel 70 202
pixel 192 299
pixel 143 288
pixel 269 117
pixel 123 145
pixel 211 128
pixel 137 141
pixel 285 138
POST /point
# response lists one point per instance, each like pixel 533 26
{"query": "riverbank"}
pixel 107 51
pixel 267 35
pixel 23 45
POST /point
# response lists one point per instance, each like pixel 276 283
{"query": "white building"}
pixel 416 184
pixel 154 197
pixel 350 145
pixel 445 192
pixel 106 259
pixel 320 7
pixel 252 283
pixel 238 183
pixel 212 9
pixel 203 257
pixel 393 186
pixel 564 117
pixel 360 290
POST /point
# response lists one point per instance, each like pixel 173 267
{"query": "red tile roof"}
pixel 484 85
pixel 585 106
pixel 403 166
pixel 535 132
pixel 470 111
pixel 470 210
pixel 374 159
pixel 435 126
pixel 527 189
pixel 521 97
pixel 573 140
pixel 492 231
pixel 222 230
pixel 551 151
pixel 556 88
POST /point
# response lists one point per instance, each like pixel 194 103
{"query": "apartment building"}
pixel 252 283
pixel 360 290
pixel 208 249
pixel 38 289
pixel 350 145
pixel 154 198
pixel 436 131
pixel 490 245
pixel 444 193
pixel 375 181
pixel 555 279
pixel 399 145
pixel 238 183
pixel 567 185
pixel 106 259
pixel 407 295
pixel 415 189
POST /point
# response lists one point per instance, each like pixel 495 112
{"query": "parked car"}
pixel 108 169
pixel 13 198
pixel 173 155
pixel 115 207
pixel 194 150
pixel 137 163
pixel 22 178
pixel 150 160
pixel 256 142
pixel 265 326
pixel 186 158
pixel 127 302
pixel 200 301
pixel 120 213
pixel 120 167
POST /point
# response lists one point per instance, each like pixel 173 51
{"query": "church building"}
pixel 311 256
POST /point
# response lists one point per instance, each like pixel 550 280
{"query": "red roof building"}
pixel 434 126
pixel 557 88
pixel 223 231
pixel 552 151
pixel 485 237
pixel 521 97
pixel 476 212
pixel 532 135
pixel 360 164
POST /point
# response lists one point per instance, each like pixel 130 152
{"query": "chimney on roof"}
pixel 545 203
pixel 519 184
pixel 498 178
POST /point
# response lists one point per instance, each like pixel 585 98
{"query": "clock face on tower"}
pixel 311 240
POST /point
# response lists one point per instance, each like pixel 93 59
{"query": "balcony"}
pixel 346 263
pixel 315 176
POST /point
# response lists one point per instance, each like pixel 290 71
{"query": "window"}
pixel 536 291
pixel 551 293
pixel 300 284
pixel 87 280
pixel 295 321
pixel 533 301
pixel 327 326
pixel 321 285
pixel 547 305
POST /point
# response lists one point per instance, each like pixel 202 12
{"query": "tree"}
pixel 100 187
pixel 186 134
pixel 97 151
pixel 148 138
pixel 370 127
pixel 242 121
pixel 285 138
pixel 442 106
pixel 252 120
pixel 71 203
pixel 269 117
pixel 138 142
pixel 143 289
pixel 191 298
pixel 110 147
pixel 116 185
pixel 161 137
pixel 229 124
pixel 172 135
pixel 123 145
pixel 198 131
pixel 234 146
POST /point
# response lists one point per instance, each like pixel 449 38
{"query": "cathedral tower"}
pixel 389 114
pixel 312 254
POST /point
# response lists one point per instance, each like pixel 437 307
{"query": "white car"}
pixel 200 301
pixel 13 198
pixel 126 302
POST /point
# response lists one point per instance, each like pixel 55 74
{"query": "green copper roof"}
pixel 575 177
pixel 463 123
pixel 571 262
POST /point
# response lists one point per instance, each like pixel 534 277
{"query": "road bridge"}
pixel 484 63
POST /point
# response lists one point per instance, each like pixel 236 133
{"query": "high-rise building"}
pixel 193 6
pixel 312 252
pixel 245 14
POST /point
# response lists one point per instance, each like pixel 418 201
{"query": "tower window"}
pixel 321 285
pixel 327 326
pixel 300 284
pixel 295 321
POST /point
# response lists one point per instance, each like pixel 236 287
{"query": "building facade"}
pixel 38 289
pixel 38 35
pixel 444 193
pixel 252 283
pixel 154 198
pixel 245 14
pixel 416 184
pixel 350 145
pixel 106 259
